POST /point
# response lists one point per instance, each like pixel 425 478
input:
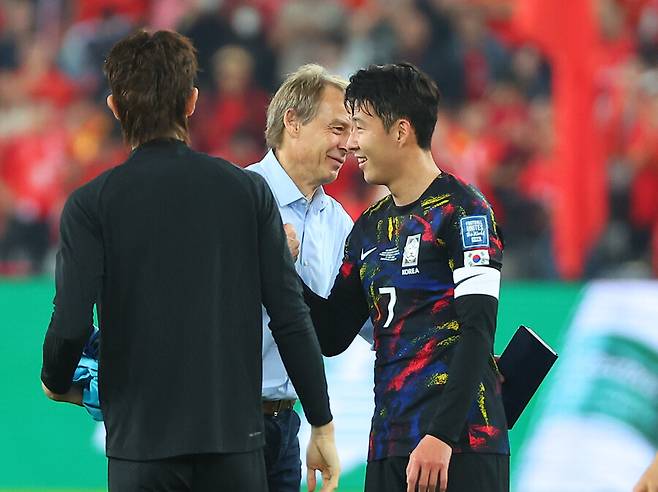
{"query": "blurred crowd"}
pixel 495 128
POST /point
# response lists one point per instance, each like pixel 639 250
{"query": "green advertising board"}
pixel 46 446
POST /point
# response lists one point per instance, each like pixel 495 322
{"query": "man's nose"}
pixel 352 143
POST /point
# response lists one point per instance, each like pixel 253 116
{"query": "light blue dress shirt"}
pixel 322 225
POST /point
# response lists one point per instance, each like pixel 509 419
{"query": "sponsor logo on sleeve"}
pixel 474 231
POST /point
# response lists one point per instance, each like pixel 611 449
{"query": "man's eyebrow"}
pixel 340 121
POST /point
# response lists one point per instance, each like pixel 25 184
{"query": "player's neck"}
pixel 418 171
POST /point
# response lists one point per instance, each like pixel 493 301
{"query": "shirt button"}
pixel 305 263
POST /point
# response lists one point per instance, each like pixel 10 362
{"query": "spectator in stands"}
pixel 232 122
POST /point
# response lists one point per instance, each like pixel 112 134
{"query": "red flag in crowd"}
pixel 567 32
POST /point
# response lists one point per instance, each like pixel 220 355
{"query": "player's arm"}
pixel 367 331
pixel 78 278
pixel 476 276
pixel 338 319
pixel 476 303
pixel 73 395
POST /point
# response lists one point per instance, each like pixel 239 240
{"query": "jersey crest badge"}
pixel 410 254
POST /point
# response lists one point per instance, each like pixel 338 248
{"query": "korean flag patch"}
pixel 475 231
pixel 476 257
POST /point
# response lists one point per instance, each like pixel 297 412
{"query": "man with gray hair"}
pixel 307 131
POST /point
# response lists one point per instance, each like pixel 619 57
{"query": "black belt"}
pixel 273 407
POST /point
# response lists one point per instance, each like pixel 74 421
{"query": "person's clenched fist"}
pixel 293 242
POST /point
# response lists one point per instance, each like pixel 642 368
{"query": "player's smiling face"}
pixel 374 148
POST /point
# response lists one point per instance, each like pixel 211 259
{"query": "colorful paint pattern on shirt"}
pixel 404 258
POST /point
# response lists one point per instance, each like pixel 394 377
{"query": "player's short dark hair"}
pixel 396 91
pixel 151 76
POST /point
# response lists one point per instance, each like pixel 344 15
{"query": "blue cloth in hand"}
pixel 86 374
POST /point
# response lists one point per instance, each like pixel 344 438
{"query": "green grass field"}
pixel 48 447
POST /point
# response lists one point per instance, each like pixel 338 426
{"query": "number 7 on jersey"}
pixel 391 304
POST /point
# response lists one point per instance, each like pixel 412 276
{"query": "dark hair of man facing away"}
pixel 396 91
pixel 151 76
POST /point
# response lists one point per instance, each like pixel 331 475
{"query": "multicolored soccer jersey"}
pixel 428 276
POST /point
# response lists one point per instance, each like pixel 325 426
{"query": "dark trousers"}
pixel 469 472
pixel 192 473
pixel 284 467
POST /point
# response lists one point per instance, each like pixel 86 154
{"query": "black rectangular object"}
pixel 524 364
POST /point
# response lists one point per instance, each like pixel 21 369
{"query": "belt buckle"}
pixel 277 409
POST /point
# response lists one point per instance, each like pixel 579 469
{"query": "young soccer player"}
pixel 424 263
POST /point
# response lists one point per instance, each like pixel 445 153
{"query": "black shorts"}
pixel 468 472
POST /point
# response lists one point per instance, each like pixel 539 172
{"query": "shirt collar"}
pixel 284 188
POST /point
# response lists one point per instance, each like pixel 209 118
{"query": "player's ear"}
pixel 403 131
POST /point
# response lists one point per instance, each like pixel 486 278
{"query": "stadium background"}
pixel 551 108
